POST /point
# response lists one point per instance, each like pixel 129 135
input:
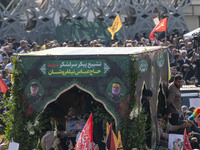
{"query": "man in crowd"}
pixel 52 140
pixel 174 101
pixel 23 44
pixel 164 127
pixel 196 60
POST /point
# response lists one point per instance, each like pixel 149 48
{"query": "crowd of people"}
pixel 184 66
pixel 183 52
pixel 173 119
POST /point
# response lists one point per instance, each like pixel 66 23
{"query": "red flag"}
pixel 197 120
pixel 161 26
pixel 86 137
pixel 42 3
pixel 186 141
pixel 3 86
pixel 110 143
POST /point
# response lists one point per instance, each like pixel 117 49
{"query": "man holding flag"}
pixel 160 27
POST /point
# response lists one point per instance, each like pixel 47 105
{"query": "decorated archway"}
pixel 71 109
pixel 73 96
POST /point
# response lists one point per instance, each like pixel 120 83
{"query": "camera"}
pixel 196 39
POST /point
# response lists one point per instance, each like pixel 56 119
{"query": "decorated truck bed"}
pixel 95 71
pixel 110 79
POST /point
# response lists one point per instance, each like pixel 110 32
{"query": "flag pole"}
pixel 123 32
pixel 165 38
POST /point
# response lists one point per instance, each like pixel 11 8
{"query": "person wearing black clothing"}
pixel 196 61
pixel 190 50
pixel 173 72
pixel 146 101
pixel 191 127
pixel 188 72
pixel 178 65
pixel 147 94
pixel 194 143
pixel 197 71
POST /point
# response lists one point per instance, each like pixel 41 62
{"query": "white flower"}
pixel 131 115
pixel 29 125
pixel 31 132
pixel 134 113
pixel 36 123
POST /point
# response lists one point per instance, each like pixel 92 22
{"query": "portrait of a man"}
pixel 116 89
pixel 34 96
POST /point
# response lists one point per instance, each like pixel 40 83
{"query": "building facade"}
pixel 37 20
pixel 192 15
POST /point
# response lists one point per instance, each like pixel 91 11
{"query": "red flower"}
pixel 124 107
pixel 128 98
pixel 28 112
pixel 22 97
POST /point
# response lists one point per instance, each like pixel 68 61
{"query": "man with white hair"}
pixel 184 108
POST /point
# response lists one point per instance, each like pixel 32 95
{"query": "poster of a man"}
pixel 175 141
pixel 34 96
pixel 116 89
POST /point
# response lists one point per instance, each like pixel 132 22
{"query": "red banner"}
pixel 161 26
pixel 186 141
pixel 86 137
pixel 3 86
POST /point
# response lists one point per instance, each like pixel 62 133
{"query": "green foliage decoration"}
pixel 21 128
pixel 133 128
pixel 15 116
pixel 99 114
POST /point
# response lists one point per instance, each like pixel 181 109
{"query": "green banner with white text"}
pixel 75 68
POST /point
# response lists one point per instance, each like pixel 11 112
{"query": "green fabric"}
pixel 39 146
pixel 76 30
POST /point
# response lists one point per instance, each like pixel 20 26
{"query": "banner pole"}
pixel 165 38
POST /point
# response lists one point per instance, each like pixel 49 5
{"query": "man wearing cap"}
pixel 116 89
pixel 34 96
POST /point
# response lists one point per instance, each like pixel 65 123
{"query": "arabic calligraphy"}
pixel 81 64
pixel 75 68
pixel 73 72
pixel 53 65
